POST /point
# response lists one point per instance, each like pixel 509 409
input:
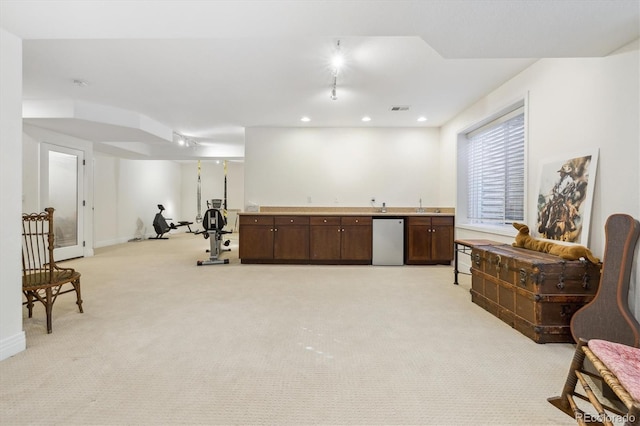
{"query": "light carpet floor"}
pixel 163 341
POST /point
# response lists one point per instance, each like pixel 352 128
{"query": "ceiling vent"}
pixel 400 108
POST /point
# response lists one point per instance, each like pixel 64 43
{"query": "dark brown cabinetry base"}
pixel 338 239
pixel 305 239
pixel 429 240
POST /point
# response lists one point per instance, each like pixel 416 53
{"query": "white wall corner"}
pixel 12 345
pixel 12 338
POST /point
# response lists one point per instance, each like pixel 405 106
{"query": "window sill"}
pixel 504 230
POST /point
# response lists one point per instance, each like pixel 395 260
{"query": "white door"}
pixel 61 187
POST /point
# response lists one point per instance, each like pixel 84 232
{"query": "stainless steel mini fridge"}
pixel 388 241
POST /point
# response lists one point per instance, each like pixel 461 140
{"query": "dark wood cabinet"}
pixel 429 240
pixel 356 238
pixel 291 238
pixel 269 239
pixel 335 239
pixel 256 238
pixel 324 238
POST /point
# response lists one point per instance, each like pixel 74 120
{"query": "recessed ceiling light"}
pixel 305 119
pixel 80 83
pixel 422 118
pixel 366 118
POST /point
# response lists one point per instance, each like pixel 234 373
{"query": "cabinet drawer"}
pixel 292 220
pixel 256 220
pixel 356 220
pixel 420 221
pixel 431 220
pixel 324 220
pixel 444 221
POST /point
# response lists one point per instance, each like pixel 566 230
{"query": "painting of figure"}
pixel 565 199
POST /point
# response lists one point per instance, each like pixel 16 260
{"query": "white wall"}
pixel 575 106
pixel 333 167
pixel 122 195
pixel 212 186
pixel 12 338
pixel 105 206
pixel 127 193
pixel 31 139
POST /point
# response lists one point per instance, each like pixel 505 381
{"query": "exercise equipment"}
pixel 161 226
pixel 213 224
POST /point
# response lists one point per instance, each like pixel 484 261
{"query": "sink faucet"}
pixel 420 209
pixel 384 208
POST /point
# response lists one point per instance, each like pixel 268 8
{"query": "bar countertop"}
pixel 350 211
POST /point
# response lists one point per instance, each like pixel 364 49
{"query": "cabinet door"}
pixel 291 242
pixel 356 238
pixel 442 243
pixel 291 238
pixel 324 242
pixel 324 238
pixel 356 243
pixel 418 243
pixel 256 242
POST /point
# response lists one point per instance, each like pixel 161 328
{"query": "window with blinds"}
pixel 496 171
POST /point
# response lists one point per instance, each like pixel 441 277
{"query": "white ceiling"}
pixel 210 69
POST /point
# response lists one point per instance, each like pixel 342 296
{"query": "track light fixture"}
pixel 336 64
pixel 334 94
pixel 80 82
pixel 337 61
pixel 182 140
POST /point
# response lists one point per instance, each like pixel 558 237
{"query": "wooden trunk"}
pixel 536 293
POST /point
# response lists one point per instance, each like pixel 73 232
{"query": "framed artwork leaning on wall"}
pixel 565 198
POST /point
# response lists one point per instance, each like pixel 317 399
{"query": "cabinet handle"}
pixel 276 229
pixel 342 229
pixel 291 220
pixel 271 229
pixel 325 221
pixel 356 220
pixel 434 230
pixel 255 220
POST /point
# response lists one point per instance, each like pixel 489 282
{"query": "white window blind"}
pixel 496 171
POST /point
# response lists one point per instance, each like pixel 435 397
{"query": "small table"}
pixel 465 246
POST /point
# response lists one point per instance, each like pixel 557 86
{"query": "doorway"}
pixel 62 187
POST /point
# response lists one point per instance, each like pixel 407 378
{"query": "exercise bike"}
pixel 161 226
pixel 213 223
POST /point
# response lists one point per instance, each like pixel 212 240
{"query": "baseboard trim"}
pixel 12 345
pixel 112 242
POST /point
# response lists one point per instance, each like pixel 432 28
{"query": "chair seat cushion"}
pixel 622 360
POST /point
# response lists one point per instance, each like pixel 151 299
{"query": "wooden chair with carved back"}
pixel 42 279
pixel 608 335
